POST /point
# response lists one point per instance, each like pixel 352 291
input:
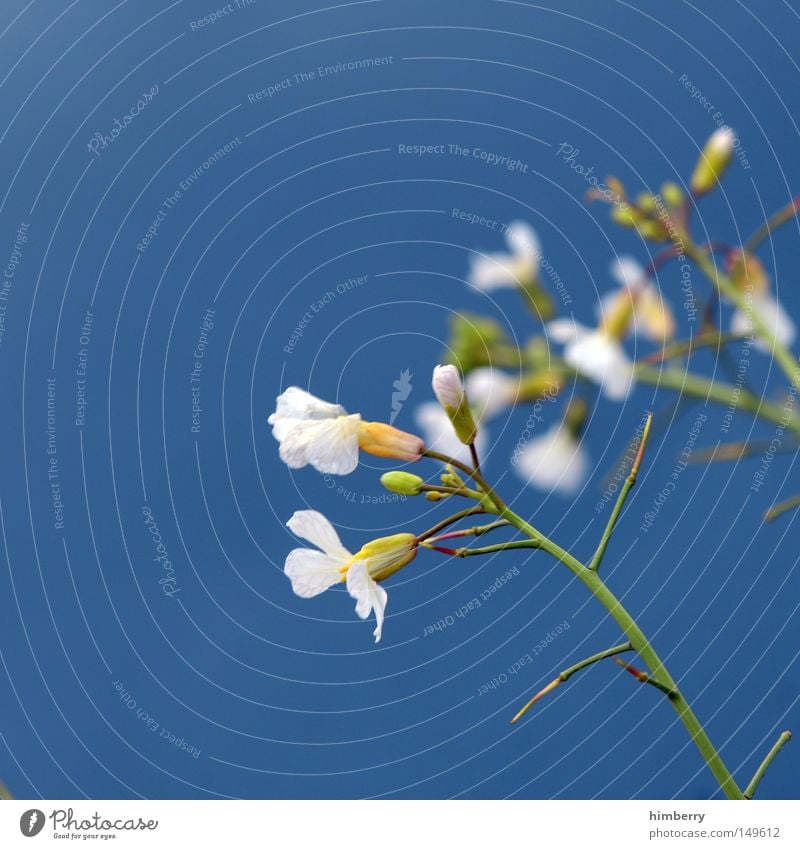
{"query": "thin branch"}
pixel 476 463
pixel 473 473
pixel 781 508
pixel 594 564
pixel 440 526
pixel 688 346
pixel 571 670
pixel 476 531
pixel 750 790
pixel 772 223
pixel 646 678
pixel 487 549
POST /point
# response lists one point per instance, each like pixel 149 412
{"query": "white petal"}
pixel 335 446
pixel 522 239
pixel 314 527
pixel 604 361
pixel 565 330
pixel 447 386
pixel 440 436
pixel 329 445
pixel 369 596
pixel 296 403
pixel 490 391
pixel 721 143
pixel 492 271
pixel 628 273
pixel 554 461
pixel 311 572
pixel 773 314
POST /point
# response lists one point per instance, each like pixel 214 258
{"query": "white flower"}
pixel 490 391
pixel 772 313
pixel 520 265
pixel 649 308
pixel 447 386
pixel 314 432
pixel 440 435
pixel 597 355
pixel 554 461
pixel 313 571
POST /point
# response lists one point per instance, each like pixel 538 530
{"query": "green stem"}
pixel 781 508
pixel 440 526
pixel 641 645
pixel 725 394
pixel 627 486
pixel 689 346
pixel 473 473
pixel 771 224
pixel 750 790
pixel 487 549
pixel 601 655
pixel 475 531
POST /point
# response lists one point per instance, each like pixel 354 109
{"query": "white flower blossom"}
pixel 501 270
pixel 650 310
pixel 596 354
pixel 555 461
pixel 490 391
pixel 772 313
pixel 314 570
pixel 314 432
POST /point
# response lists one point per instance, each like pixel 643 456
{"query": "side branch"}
pixel 750 790
pixel 594 564
pixel 571 670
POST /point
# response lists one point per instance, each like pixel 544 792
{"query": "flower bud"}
pixel 647 203
pixel 387 555
pixel 383 440
pixel 747 272
pixel 672 194
pixel 403 483
pixel 713 161
pixel 449 391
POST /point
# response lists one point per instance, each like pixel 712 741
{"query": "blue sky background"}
pixel 281 697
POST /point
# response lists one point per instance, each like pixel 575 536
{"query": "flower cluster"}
pixel 633 314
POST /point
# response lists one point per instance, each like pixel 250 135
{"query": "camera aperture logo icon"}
pixel 31 822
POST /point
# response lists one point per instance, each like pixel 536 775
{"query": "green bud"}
pixel 672 194
pixel 626 216
pixel 647 203
pixel 654 231
pixel 713 161
pixel 403 483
